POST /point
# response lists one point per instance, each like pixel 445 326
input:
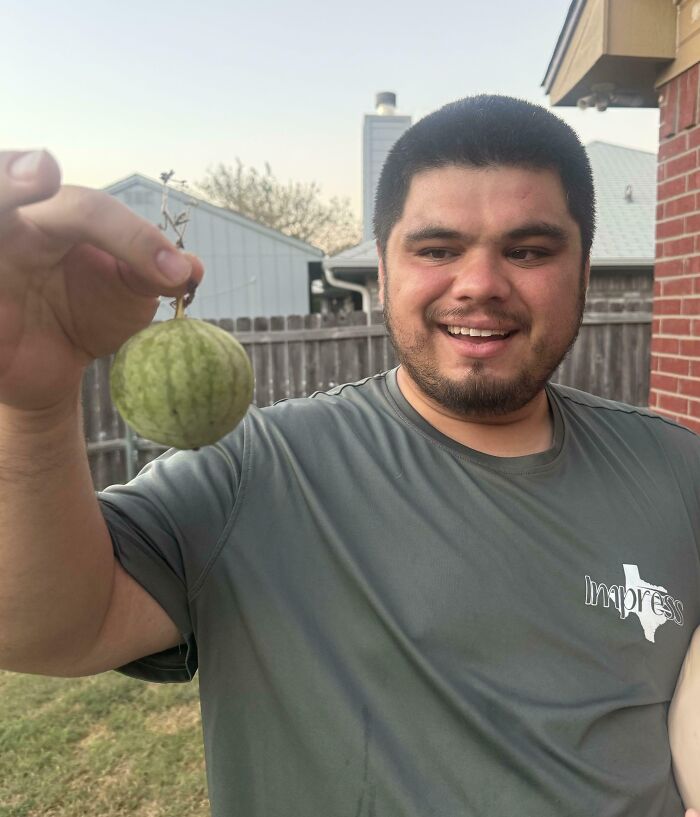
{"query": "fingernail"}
pixel 24 168
pixel 173 265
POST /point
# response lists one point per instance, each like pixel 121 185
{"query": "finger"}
pixel 27 177
pixel 152 264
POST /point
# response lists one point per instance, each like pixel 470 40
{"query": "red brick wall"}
pixel 675 343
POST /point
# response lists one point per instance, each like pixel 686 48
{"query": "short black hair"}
pixel 487 131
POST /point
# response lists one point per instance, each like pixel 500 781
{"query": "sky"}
pixel 113 89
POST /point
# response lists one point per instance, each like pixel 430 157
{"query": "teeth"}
pixel 474 333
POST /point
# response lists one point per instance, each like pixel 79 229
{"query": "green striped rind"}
pixel 184 383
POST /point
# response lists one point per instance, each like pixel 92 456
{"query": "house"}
pixel 622 256
pixel 251 270
pixel 646 53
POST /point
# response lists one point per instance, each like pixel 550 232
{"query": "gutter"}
pixel 340 284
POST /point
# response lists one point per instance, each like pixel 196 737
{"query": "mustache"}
pixel 502 318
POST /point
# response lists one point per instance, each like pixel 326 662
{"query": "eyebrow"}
pixel 432 232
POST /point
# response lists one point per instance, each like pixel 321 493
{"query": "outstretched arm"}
pixel 684 728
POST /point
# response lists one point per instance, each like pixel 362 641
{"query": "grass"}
pixel 106 745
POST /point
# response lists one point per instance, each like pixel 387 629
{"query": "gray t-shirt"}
pixel 387 623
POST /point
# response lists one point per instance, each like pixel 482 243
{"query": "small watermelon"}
pixel 183 383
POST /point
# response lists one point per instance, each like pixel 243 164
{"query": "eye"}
pixel 436 253
pixel 528 254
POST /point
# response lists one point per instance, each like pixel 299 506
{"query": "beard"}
pixel 479 394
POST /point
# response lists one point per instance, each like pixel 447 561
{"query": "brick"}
pixel 669 110
pixel 693 408
pixel 694 138
pixel 672 188
pixel 674 227
pixel 690 306
pixel 659 212
pixel 664 382
pixel 690 348
pixel 695 329
pixel 680 206
pixel 670 306
pixel 679 246
pixel 693 425
pixel 655 327
pixel 678 286
pixel 692 266
pixel 675 326
pixel 692 180
pixel 681 164
pixel 660 173
pixel 674 365
pixel 692 223
pixel 659 249
pixel 665 346
pixel 688 100
pixel 695 368
pixel 688 387
pixel 654 363
pixel 663 269
pixel 671 402
pixel 653 397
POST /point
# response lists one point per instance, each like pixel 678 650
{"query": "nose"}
pixel 481 277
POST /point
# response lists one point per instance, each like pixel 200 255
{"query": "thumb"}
pixel 692 813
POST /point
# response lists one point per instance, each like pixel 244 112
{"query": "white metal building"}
pixel 379 133
pixel 250 270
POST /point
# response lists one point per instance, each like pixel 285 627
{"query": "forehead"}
pixel 493 198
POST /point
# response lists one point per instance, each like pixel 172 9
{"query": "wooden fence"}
pixel 300 354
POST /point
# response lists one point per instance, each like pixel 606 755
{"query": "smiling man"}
pixel 451 589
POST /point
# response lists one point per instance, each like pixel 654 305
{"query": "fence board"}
pixel 297 355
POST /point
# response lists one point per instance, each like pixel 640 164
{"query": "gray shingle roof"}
pixel 625 231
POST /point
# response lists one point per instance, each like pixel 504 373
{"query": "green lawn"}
pixel 106 746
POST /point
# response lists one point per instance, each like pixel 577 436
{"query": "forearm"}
pixel 55 551
pixel 684 726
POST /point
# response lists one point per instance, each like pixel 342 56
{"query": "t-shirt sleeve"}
pixel 166 527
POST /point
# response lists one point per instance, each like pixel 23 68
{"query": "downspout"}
pixel 366 302
pixel 336 282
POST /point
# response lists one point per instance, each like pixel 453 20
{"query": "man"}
pixel 449 589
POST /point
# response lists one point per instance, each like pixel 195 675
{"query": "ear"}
pixel 381 274
pixel 587 272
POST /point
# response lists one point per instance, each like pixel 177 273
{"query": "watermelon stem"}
pixel 180 307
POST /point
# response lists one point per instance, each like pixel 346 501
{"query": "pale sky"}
pixel 119 88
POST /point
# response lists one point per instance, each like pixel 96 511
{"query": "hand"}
pixel 79 274
pixel 692 813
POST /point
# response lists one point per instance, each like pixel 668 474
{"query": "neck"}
pixel 528 430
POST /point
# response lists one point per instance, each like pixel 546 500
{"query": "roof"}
pixel 205 206
pixel 625 229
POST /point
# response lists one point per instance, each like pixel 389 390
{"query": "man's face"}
pixel 483 286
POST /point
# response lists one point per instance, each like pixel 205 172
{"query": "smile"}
pixel 476 333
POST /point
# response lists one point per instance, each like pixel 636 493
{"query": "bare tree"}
pixel 295 209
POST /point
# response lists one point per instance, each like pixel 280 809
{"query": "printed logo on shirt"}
pixel 652 604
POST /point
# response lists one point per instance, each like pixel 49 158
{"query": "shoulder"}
pixel 340 403
pixel 632 423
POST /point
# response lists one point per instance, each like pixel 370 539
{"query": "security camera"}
pixel 587 101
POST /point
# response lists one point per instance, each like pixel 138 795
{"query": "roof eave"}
pixel 565 35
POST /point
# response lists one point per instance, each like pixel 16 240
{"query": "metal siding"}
pixel 379 135
pixel 232 254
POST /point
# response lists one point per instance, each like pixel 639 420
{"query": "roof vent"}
pixel 385 103
pixel 628 193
